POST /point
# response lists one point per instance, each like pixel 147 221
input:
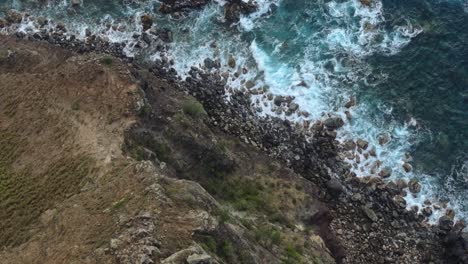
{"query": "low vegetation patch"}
pixel 193 108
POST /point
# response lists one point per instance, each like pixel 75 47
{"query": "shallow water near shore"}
pixel 405 61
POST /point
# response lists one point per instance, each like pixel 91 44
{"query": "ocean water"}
pixel 406 62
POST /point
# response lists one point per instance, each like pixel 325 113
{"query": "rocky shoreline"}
pixel 367 220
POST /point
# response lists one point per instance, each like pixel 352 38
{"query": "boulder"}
pixel 407 167
pixel 370 213
pixel 384 139
pixel 75 3
pixel 351 102
pixel 3 23
pixel 234 8
pixel 362 144
pixel 146 21
pixel 427 211
pixel 349 145
pixel 199 259
pixel 335 186
pixel 445 223
pixel 42 21
pixel 13 16
pixel 414 186
pixel 173 6
pixel 293 107
pixel 385 173
pixel 231 61
pixel 366 2
pixel 249 84
pixel 333 123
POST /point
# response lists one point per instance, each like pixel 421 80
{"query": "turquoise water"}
pixel 406 61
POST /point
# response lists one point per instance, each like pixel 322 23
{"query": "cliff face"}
pixel 97 166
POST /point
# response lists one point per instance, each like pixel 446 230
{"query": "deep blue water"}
pixel 406 61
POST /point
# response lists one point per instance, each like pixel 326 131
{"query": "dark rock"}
pixel 370 213
pixel 293 107
pixel 362 144
pixel 445 223
pixel 385 173
pixel 333 123
pixel 3 23
pixel 234 8
pixel 173 6
pixel 335 186
pixel 231 61
pixel 414 186
pixel 146 21
pixel 427 211
pixel 407 167
pixel 13 16
pixel 351 102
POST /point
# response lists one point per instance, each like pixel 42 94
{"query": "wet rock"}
pixel 349 145
pixel 399 201
pixel 231 61
pixel 414 186
pixel 282 99
pixel 146 21
pixel 362 144
pixel 75 3
pixel 427 211
pixel 174 6
pixel 293 107
pixel 348 114
pixel 401 183
pixel 384 139
pixel 42 21
pixel 351 102
pixel 407 167
pixel 3 23
pixel 234 8
pixel 445 223
pixel 317 126
pixel 366 2
pixel 385 173
pixel 249 84
pixel 13 16
pixel 333 123
pixel 370 213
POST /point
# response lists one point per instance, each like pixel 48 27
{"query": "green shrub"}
pixel 193 108
pixel 107 61
pixel 268 236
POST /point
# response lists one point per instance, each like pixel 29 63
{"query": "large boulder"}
pixel 146 21
pixel 234 8
pixel 171 6
pixel 414 186
pixel 333 123
pixel 13 16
